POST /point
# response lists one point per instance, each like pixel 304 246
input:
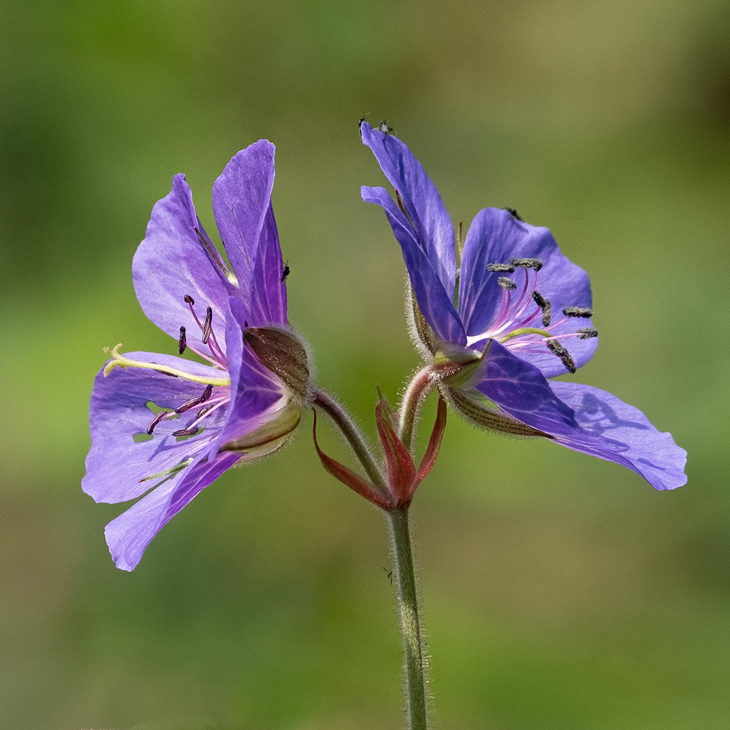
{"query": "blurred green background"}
pixel 560 591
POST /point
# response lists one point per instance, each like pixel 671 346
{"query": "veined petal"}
pixel 432 297
pixel 268 295
pixel 129 534
pixel 171 262
pixel 496 236
pixel 433 227
pixel 118 467
pixel 522 391
pixel 623 434
pixel 241 199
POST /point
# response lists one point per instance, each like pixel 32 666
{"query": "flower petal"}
pixel 171 263
pixel 496 236
pixel 118 466
pixel 522 391
pixel 241 200
pixel 433 227
pixel 623 434
pixel 129 534
pixel 433 299
pixel 268 295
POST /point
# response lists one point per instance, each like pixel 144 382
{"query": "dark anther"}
pixel 383 127
pixel 546 314
pixel 195 401
pixel 583 312
pixel 506 283
pixel 189 299
pixel 163 372
pixel 203 411
pixel 182 342
pixel 211 251
pixel 207 325
pixel 155 421
pixel 557 349
pixel 585 333
pixel 513 213
pixel 186 431
pixel 527 263
pixel 506 268
pixel 539 299
pixel 544 304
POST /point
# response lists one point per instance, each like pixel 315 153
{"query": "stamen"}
pixel 544 304
pixel 586 333
pixel 527 263
pixel 513 212
pixel 402 206
pixel 155 421
pixel 583 312
pixel 506 283
pixel 182 342
pixel 211 250
pixel 203 411
pixel 507 268
pixel 207 325
pixel 188 299
pixel 169 472
pixel 539 299
pixel 186 431
pixel 557 349
pixel 161 372
pixel 195 401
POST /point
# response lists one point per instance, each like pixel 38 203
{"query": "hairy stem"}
pixel 346 426
pixel 410 625
pixel 410 406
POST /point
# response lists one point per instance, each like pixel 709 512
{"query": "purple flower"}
pixel 165 426
pixel 515 313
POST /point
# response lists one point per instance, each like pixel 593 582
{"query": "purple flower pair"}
pixel 513 314
pixel 492 330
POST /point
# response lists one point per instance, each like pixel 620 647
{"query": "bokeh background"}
pixel 560 591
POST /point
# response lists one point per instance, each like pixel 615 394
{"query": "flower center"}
pixel 524 321
pixel 209 400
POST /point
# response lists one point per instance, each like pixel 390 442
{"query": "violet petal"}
pixel 171 263
pixel 622 433
pixel 421 198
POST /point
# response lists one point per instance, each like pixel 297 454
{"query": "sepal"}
pixel 270 436
pixel 349 478
pixel 401 469
pixel 471 406
pixel 282 353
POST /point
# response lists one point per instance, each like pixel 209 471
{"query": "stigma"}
pixel 524 321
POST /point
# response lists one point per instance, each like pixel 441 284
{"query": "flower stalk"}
pixel 411 403
pixel 409 616
pixel 346 426
pixel 393 494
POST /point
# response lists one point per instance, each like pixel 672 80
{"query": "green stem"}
pixel 346 426
pixel 410 623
